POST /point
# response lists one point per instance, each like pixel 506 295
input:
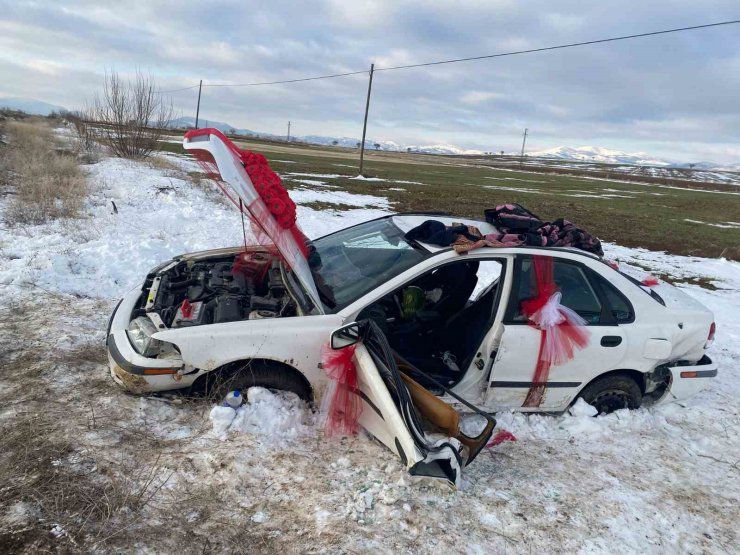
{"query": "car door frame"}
pixel 469 386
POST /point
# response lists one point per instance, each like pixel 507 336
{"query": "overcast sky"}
pixel 675 96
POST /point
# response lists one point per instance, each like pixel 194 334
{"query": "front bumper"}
pixel 688 380
pixel 129 369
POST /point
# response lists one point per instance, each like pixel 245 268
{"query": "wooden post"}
pixel 364 125
pixel 197 110
pixel 524 141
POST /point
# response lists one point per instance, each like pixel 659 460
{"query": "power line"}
pixel 471 58
pixel 177 90
pixel 289 80
pixel 561 46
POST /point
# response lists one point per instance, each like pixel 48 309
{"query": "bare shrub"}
pixel 47 184
pixel 86 138
pixel 130 115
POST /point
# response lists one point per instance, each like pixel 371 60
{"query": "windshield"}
pixel 355 261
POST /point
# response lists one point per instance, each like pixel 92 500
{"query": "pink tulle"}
pixel 341 406
pixel 650 281
pixel 564 331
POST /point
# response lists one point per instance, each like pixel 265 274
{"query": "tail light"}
pixel 710 337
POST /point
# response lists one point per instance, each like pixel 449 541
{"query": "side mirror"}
pixel 345 336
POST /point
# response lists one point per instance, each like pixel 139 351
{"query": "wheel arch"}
pixel 636 375
pixel 278 364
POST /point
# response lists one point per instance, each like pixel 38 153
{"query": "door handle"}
pixel 611 341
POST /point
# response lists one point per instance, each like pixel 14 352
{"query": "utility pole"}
pixel 524 141
pixel 288 131
pixel 364 125
pixel 197 110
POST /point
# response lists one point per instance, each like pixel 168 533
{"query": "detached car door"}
pixel 585 292
pixel 388 412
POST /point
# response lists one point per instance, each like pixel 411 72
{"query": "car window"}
pixel 356 260
pixel 620 307
pixel 577 292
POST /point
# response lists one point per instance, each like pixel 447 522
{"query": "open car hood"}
pixel 230 175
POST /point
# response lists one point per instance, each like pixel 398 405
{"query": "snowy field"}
pixel 655 480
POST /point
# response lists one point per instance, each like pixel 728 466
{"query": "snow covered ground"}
pixel 655 480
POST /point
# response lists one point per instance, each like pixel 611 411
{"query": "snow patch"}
pixel 281 417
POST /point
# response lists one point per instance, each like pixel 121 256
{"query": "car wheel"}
pixel 246 374
pixel 612 393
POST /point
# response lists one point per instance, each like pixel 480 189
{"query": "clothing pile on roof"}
pixel 461 237
pixel 515 226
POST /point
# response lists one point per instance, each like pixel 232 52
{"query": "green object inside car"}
pixel 413 299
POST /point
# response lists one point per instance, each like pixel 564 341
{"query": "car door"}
pixel 387 411
pixel 518 350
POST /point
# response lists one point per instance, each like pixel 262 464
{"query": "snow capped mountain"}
pixel 580 154
pixel 30 106
pixel 346 142
pixel 188 122
pixel 600 154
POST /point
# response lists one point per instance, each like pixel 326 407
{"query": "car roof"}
pixel 408 221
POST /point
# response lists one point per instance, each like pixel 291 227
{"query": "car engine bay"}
pixel 247 285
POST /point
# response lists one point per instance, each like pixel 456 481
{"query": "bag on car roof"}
pixel 513 217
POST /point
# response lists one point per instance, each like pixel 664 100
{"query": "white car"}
pixel 196 322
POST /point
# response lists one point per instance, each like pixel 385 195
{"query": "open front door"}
pixel 389 415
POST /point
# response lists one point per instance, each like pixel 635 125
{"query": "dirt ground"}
pixel 86 467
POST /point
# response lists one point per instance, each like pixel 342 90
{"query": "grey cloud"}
pixel 673 95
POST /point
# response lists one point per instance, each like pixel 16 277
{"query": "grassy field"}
pixel 675 219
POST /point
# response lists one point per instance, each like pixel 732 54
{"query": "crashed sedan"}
pixel 499 327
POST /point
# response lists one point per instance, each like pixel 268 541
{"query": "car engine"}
pixel 245 286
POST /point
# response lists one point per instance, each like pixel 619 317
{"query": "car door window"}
pixel 619 306
pixel 577 292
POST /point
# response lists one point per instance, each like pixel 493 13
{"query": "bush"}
pixel 130 116
pixel 47 184
pixel 86 138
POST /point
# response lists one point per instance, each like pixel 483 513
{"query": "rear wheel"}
pixel 255 373
pixel 612 393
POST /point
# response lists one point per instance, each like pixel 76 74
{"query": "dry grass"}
pixel 46 183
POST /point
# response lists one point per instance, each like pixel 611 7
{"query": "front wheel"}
pixel 612 393
pixel 257 373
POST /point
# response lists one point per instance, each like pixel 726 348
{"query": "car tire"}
pixel 255 373
pixel 611 393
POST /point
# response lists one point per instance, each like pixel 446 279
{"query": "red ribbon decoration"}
pixel 269 187
pixel 342 404
pixel 558 339
pixel 500 437
pixel 650 281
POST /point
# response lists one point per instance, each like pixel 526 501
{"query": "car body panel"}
pixel 379 414
pixel 234 175
pixel 689 380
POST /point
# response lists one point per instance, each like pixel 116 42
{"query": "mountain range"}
pixel 564 153
pixel 30 106
pixel 348 142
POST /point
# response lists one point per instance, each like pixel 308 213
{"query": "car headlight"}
pixel 140 332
